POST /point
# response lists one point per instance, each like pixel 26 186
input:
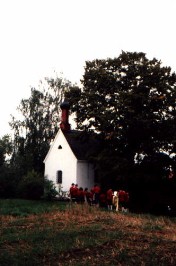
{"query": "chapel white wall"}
pixel 85 174
pixel 61 159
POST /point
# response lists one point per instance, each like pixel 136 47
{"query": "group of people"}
pixel 117 200
pixel 78 195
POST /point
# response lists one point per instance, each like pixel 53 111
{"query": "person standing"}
pixel 109 197
pixel 122 200
pixel 115 200
pixel 72 191
pixel 76 192
pixel 80 195
pixel 96 191
pixel 87 196
pixel 103 201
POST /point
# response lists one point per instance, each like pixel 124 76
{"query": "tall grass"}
pixel 19 207
pixel 56 233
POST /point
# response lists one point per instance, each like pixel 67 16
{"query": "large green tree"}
pixel 38 124
pixel 130 101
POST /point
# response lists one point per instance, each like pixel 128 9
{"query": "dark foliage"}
pixel 130 102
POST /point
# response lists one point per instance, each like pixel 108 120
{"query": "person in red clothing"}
pixel 96 194
pixel 91 197
pixel 80 195
pixel 74 192
pixel 102 199
pixel 109 196
pixel 87 196
pixel 122 200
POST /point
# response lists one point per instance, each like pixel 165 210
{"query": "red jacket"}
pixel 73 191
pixel 96 189
pixel 109 194
pixel 121 195
pixel 103 198
pixel 80 194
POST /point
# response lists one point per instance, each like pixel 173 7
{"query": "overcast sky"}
pixel 39 37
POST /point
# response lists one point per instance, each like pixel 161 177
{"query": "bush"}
pixel 31 186
pixel 50 191
pixel 8 183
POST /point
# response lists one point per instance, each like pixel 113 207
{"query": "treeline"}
pixel 130 102
pixel 22 154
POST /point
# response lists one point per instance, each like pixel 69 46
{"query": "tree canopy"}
pixel 130 101
pixel 33 131
pixel 38 124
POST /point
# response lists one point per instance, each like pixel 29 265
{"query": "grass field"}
pixel 56 233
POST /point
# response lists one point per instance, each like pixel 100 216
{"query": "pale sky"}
pixel 39 37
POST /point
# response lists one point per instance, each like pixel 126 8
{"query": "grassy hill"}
pixel 55 233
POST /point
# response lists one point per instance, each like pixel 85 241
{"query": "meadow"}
pixel 61 233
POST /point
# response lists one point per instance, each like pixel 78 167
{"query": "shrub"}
pixel 50 191
pixel 31 186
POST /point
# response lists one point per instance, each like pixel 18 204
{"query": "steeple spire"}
pixel 64 125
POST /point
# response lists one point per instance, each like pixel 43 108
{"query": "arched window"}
pixel 59 177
